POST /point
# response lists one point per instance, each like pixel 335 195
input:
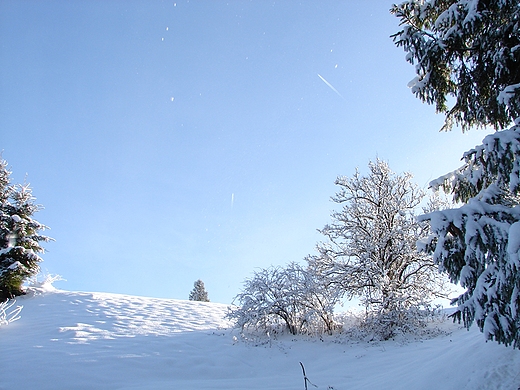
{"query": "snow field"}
pixel 76 340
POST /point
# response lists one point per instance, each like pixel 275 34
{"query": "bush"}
pixel 290 297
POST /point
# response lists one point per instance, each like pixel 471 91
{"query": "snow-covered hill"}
pixel 76 340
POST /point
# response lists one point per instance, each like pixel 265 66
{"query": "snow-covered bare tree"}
pixel 370 249
pixel 199 292
pixel 290 296
pixel 19 235
pixel 466 49
pixel 470 50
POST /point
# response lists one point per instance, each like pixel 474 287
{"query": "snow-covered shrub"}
pixel 370 250
pixel 41 283
pixel 420 322
pixel 289 297
pixel 6 315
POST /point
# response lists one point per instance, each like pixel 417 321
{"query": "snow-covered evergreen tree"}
pixel 199 292
pixel 478 244
pixel 470 50
pixel 370 249
pixel 466 49
pixel 19 235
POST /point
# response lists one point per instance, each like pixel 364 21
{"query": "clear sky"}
pixel 171 141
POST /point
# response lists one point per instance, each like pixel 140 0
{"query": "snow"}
pixel 79 340
pixel 15 265
pixel 513 242
pixel 507 93
pixel 3 251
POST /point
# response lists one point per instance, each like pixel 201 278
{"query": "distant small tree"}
pixel 199 293
pixel 19 235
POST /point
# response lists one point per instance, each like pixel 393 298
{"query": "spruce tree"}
pixel 199 293
pixel 19 235
pixel 470 50
pixel 478 244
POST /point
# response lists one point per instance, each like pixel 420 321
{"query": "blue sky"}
pixel 171 141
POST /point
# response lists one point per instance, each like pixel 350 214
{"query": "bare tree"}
pixel 370 249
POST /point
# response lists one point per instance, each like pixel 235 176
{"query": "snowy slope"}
pixel 75 340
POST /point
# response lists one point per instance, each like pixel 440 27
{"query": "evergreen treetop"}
pixel 467 51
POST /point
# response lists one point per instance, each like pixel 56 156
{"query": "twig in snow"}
pixel 305 379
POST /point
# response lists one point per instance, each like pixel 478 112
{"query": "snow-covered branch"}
pixel 6 314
